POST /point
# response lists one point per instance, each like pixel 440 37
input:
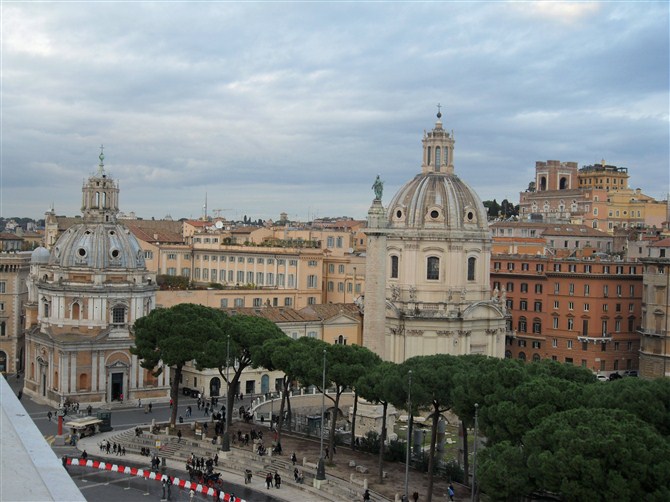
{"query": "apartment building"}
pixel 655 329
pixel 582 311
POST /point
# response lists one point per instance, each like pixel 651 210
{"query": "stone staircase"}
pixel 237 461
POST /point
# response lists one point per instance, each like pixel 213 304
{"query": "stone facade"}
pixel 14 268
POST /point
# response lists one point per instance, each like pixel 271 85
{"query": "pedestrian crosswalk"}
pixel 50 438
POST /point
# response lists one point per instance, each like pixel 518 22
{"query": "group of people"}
pixel 269 479
pixel 298 476
pixel 106 447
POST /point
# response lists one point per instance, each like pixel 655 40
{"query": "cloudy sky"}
pixel 272 107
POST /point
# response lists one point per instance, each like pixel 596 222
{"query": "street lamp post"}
pixel 473 493
pixel 409 433
pixel 321 466
pixel 225 444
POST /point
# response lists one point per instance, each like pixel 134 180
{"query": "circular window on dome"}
pixel 112 232
pixel 115 253
pixel 398 214
pixel 88 232
pixel 81 252
pixel 434 214
pixel 470 215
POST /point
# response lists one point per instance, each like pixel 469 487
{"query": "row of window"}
pixel 586 268
pixel 340 287
pixel 331 268
pixel 432 268
pixel 258 302
pixel 569 360
pixel 606 291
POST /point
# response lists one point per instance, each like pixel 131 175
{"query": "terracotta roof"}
pixel 274 314
pixel 663 243
pixel 329 310
pixel 6 236
pixel 163 231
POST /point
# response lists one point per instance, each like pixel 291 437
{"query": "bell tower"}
pixel 100 196
pixel 438 149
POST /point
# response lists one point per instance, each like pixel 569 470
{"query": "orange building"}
pixel 578 311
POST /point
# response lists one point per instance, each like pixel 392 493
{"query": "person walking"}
pixel 277 480
pixel 150 406
pixel 179 436
pixel 268 480
pixel 49 415
pixel 450 491
pixel 294 459
pixel 366 496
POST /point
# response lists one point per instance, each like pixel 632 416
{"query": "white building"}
pixel 427 265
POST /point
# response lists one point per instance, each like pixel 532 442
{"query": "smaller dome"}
pixel 40 256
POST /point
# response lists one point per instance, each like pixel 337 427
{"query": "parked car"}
pixel 614 376
pixel 186 391
pixel 631 373
pixel 602 378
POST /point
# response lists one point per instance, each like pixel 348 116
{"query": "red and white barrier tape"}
pixel 149 474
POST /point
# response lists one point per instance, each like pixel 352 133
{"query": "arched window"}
pixel 429 160
pixel 508 354
pixel 522 356
pixel 83 381
pixel 55 380
pixel 394 267
pixel 543 183
pixel 563 184
pixel 537 326
pixel 75 311
pixel 438 158
pixel 3 362
pixel 471 268
pixel 433 268
pixel 522 324
pixel 536 358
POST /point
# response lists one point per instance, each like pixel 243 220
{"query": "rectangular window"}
pixel 331 268
pixel 524 287
pixel 539 267
pixel 196 273
pixel 554 342
pixel 538 288
pixel 340 287
pixel 172 256
pixel 250 259
pixel 330 242
pixel 587 289
pixel 239 302
pixel 585 345
pixel 496 265
pixel 524 266
pixel 509 304
pixel 240 259
pixel 510 266
pixel 311 263
pixel 587 269
pixel 258 302
pixel 617 325
pixel 281 261
pixel 522 343
pixel 557 288
pixel 291 280
pixel 340 269
pixel 293 263
pixel 571 323
pixel 586 307
pixel 281 278
pixel 171 271
pixel 240 276
pixel 556 304
pixel 571 305
pixel 523 305
pixel 311 300
pixel 224 303
pixel 538 307
pixel 250 277
pixel 222 276
pixel 555 323
pixel 557 267
pixel 618 290
pixel 330 286
pixel 571 289
pixel 288 301
pixel 231 275
pixel 260 260
pixel 311 281
pixel 569 344
pixel 605 307
pixel 537 345
pixel 205 274
pixel 271 279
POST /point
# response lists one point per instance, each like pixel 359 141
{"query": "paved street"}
pixel 108 486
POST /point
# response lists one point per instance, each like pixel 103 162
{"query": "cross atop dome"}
pixel 101 166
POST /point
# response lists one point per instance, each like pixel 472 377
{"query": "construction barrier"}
pixel 149 474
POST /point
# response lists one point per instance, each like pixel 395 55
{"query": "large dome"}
pixel 437 200
pixel 98 246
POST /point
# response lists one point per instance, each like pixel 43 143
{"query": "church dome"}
pixel 437 198
pixel 99 242
pixel 98 246
pixel 40 256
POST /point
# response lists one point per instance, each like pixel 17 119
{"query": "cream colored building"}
pixel 655 331
pixel 83 298
pixel 427 265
